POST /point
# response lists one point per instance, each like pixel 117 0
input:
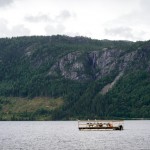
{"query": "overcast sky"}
pixel 98 19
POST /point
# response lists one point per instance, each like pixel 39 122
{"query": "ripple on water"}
pixel 62 135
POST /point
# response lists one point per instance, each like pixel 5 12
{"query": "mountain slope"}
pixel 95 78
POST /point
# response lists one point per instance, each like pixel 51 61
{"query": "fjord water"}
pixel 57 135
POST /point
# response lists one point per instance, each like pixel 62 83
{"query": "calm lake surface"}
pixel 64 135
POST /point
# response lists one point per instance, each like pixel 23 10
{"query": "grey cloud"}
pixel 73 34
pixel 53 24
pixel 64 15
pixel 134 25
pixel 136 17
pixel 53 30
pixel 143 14
pixel 119 31
pixel 125 33
pixel 4 3
pixel 3 26
pixel 38 18
pixel 18 30
pixel 145 5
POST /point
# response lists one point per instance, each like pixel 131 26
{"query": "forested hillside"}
pixel 67 78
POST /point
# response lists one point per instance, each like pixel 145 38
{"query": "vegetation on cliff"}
pixel 70 74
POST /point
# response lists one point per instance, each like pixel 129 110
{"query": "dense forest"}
pixel 68 78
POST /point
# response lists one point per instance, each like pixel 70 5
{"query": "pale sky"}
pixel 98 19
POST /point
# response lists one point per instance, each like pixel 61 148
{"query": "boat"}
pixel 100 124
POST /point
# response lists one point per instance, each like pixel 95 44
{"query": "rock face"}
pixel 104 62
pixel 92 65
pixel 69 67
